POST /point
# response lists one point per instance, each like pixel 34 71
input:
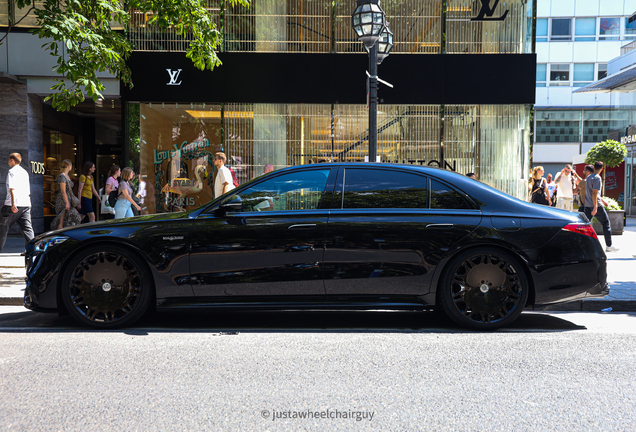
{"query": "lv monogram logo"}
pixel 487 11
pixel 174 76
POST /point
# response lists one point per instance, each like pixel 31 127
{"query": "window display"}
pixel 177 146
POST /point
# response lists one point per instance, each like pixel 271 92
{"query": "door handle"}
pixel 302 227
pixel 438 225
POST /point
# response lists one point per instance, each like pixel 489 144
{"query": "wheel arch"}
pixel 105 241
pixel 525 267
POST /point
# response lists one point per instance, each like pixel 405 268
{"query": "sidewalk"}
pixel 12 272
pixel 620 275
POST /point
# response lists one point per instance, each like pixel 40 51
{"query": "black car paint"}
pixel 559 264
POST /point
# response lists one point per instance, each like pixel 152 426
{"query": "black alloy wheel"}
pixel 484 289
pixel 106 287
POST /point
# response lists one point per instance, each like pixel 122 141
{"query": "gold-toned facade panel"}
pixel 324 26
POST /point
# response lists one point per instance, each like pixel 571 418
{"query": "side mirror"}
pixel 235 205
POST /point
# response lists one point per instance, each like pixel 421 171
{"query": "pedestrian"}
pixel 472 176
pixel 87 190
pixel 66 203
pixel 594 204
pixel 538 188
pixel 17 204
pixel 566 181
pixel 111 185
pixel 268 168
pixel 552 189
pixel 581 189
pixel 140 195
pixel 223 182
pixel 123 207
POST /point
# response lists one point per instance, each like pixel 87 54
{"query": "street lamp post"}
pixel 369 23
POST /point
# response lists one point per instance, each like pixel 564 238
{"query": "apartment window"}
pixel 558 126
pixel 542 30
pixel 560 75
pixel 602 71
pixel 585 29
pixel 561 29
pixel 541 75
pixel 609 29
pixel 630 29
pixel 583 74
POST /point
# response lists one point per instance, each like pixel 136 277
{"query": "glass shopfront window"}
pixel 176 142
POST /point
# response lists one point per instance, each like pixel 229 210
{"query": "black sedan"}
pixel 326 236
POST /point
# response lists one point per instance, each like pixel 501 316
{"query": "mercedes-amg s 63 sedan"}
pixel 332 236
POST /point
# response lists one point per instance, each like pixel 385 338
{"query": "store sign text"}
pixel 37 167
pixel 628 139
pixel 179 150
pixel 181 202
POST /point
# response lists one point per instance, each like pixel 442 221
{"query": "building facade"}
pixel 619 86
pixel 43 136
pixel 575 41
pixel 292 91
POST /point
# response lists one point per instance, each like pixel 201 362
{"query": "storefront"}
pixel 291 91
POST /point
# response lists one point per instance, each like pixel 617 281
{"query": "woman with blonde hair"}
pixel 125 193
pixel 538 187
pixel 66 203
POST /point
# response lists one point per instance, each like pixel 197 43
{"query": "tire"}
pixel 483 289
pixel 106 287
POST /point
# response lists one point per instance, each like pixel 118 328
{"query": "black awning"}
pixel 624 80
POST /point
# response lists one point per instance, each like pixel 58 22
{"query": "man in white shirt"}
pixel 223 182
pixel 17 205
pixel 566 180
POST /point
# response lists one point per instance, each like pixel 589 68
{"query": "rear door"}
pixel 383 237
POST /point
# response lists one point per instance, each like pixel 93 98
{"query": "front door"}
pixel 270 244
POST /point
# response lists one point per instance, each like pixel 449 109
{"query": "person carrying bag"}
pixel 109 199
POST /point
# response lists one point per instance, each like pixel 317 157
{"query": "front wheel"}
pixel 483 289
pixel 106 287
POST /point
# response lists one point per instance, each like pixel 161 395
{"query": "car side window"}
pixel 303 190
pixel 445 197
pixel 379 188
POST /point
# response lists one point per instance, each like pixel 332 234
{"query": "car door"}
pixel 383 237
pixel 271 241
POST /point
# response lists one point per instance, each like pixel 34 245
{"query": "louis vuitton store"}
pixel 287 97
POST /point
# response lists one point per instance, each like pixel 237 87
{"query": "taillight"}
pixel 581 228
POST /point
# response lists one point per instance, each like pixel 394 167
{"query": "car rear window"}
pixel 445 197
pixel 378 188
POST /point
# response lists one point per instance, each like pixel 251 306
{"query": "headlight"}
pixel 47 242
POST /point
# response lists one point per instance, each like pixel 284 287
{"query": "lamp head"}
pixel 368 21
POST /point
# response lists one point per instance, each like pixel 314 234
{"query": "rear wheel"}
pixel 484 289
pixel 106 287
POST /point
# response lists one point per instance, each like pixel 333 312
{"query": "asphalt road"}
pixel 347 370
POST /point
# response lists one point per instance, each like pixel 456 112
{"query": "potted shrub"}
pixel 616 218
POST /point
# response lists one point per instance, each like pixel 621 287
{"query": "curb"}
pixel 591 306
pixel 575 306
pixel 11 301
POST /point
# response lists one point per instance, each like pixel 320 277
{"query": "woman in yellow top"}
pixel 88 190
